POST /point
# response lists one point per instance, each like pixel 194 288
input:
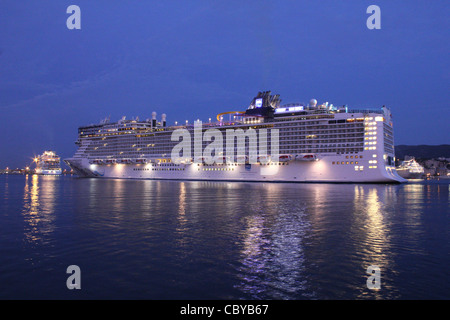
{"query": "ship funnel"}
pixel 153 119
pixel 163 119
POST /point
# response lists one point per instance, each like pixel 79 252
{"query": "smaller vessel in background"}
pixel 410 169
pixel 48 163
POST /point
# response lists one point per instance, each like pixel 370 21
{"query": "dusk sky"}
pixel 194 59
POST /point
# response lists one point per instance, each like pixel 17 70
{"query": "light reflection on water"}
pixel 38 207
pixel 220 240
pixel 371 230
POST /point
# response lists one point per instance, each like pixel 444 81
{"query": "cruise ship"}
pixel 48 163
pixel 410 169
pixel 267 141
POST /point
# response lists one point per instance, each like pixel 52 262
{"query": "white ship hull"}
pixel 292 171
pixel 409 175
pixel 48 172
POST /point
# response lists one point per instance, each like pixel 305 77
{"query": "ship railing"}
pixel 365 111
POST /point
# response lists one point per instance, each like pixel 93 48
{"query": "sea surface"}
pixel 142 239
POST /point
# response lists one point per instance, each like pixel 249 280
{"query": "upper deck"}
pixel 264 109
pixel 311 128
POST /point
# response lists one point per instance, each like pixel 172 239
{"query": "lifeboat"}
pixel 199 160
pixel 181 160
pixel 242 159
pixel 263 159
pixel 285 158
pixel 140 161
pixel 306 157
pixel 110 161
pixel 124 161
pixel 223 159
pixel 97 161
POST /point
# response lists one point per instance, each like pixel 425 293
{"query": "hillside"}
pixel 423 151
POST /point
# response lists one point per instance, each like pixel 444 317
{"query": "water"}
pixel 222 240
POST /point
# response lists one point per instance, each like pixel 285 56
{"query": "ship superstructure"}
pixel 410 169
pixel 294 143
pixel 48 163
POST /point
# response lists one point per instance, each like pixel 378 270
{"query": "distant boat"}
pixel 48 163
pixel 410 169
